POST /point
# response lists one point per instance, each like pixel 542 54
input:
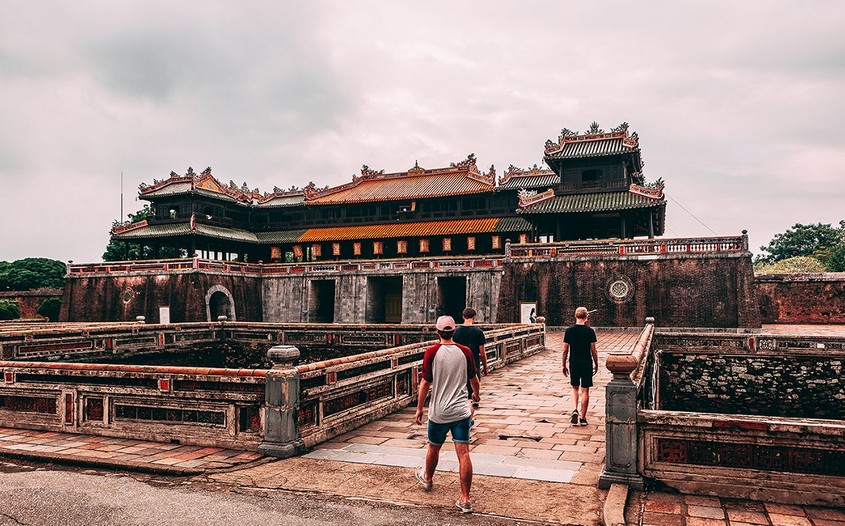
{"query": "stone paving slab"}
pixel 130 454
pixel 665 508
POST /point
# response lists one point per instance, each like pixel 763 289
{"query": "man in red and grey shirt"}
pixel 447 367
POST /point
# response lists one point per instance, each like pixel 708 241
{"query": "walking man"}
pixel 447 367
pixel 580 339
pixel 471 336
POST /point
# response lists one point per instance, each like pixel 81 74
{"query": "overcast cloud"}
pixel 738 105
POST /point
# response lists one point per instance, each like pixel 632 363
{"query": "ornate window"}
pixel 423 246
pixel 297 251
pixel 378 247
pixel 471 243
pixel 401 247
pixel 335 249
pixel 447 244
pixel 497 242
pixel 523 238
pixel 316 250
pixel 356 249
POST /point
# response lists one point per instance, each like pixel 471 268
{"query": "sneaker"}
pixel 574 418
pixel 419 474
pixel 582 421
pixel 465 507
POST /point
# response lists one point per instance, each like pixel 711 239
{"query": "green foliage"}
pixel 822 242
pixel 9 310
pixel 836 260
pixel 802 240
pixel 790 265
pixel 32 273
pixel 50 308
pixel 116 251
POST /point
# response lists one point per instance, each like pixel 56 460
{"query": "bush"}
pixel 9 310
pixel 50 308
pixel 790 265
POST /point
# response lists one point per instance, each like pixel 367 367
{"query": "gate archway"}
pixel 219 302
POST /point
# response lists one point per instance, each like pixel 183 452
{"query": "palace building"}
pixel 593 188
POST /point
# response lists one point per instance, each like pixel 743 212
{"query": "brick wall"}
pixel 802 298
pixel 117 297
pixel 800 385
pixel 712 290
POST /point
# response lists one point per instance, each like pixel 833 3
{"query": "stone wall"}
pixel 124 296
pixel 793 386
pixel 678 290
pixel 802 298
pixel 289 298
pixel 30 300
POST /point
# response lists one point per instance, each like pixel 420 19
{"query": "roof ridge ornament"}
pixel 651 190
pixel 594 133
pixel 526 199
pixel 515 171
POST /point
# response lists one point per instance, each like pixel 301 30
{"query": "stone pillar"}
pixel 621 445
pixel 281 405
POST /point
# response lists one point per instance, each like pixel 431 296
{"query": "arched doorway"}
pixel 219 302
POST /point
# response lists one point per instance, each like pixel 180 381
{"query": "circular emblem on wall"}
pixel 127 295
pixel 620 289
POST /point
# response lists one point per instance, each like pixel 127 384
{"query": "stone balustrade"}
pixel 621 247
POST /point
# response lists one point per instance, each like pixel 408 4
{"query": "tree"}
pixel 803 240
pixel 50 308
pixel 32 273
pixel 836 260
pixel 115 250
pixel 9 310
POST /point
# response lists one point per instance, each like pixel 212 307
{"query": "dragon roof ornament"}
pixel 594 133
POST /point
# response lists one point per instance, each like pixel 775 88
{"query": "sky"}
pixel 739 106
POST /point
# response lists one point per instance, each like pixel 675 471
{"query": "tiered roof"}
pixel 636 197
pixel 459 178
pixel 535 177
pixel 595 143
pixel 206 183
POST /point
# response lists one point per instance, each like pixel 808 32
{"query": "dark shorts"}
pixel 581 374
pixel 459 430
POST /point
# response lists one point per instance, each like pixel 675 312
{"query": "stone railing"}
pixel 98 341
pixel 702 245
pixel 747 416
pixel 270 269
pixel 315 402
pixel 621 406
pixel 200 406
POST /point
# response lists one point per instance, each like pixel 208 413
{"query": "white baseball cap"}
pixel 445 323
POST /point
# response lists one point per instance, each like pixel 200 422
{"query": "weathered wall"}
pixel 123 297
pixel 803 386
pixel 287 297
pixel 802 298
pixel 678 290
pixel 30 300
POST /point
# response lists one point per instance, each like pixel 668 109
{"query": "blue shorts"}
pixel 459 430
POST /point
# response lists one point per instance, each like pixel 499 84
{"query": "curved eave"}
pixel 588 203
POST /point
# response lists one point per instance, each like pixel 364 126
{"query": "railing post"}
pixel 621 441
pixel 281 405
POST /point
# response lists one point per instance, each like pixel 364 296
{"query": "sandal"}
pixel 465 507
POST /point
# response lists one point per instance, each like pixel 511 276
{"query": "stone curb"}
pixel 75 460
pixel 613 512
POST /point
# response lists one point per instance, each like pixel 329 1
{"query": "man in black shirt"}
pixel 580 339
pixel 473 337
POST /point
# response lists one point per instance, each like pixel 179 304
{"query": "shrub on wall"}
pixel 9 310
pixel 790 265
pixel 49 308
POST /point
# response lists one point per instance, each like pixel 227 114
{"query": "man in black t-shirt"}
pixel 473 337
pixel 580 339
